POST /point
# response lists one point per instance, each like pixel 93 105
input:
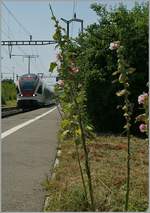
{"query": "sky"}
pixel 20 19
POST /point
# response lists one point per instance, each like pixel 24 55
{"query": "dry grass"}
pixel 108 166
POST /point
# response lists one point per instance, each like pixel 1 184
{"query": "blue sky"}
pixel 35 17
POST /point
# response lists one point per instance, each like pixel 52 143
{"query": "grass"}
pixel 108 166
pixel 11 103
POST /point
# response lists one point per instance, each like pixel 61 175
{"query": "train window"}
pixel 39 89
pixel 27 85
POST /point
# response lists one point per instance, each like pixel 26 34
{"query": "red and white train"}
pixel 32 91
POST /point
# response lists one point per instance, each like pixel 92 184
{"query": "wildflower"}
pixel 143 127
pixel 114 45
pixel 143 98
pixel 60 83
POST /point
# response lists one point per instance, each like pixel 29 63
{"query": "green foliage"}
pixel 52 67
pixel 101 103
pixel 8 91
pixel 131 28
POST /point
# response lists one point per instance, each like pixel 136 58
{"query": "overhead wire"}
pixel 12 35
pixel 25 30
pixel 19 23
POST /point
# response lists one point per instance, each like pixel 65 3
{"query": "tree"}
pixel 130 27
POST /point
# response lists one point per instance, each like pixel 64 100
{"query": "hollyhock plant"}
pixel 122 74
pixel 143 98
pixel 144 118
pixel 143 127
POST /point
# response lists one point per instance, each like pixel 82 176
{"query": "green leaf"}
pixel 65 123
pixel 127 126
pixel 121 92
pixel 65 133
pixel 52 66
pixel 89 128
pixel 56 35
pixel 122 78
pixel 125 108
pixel 78 132
pixel 131 70
pixel 126 114
pixel 115 81
pixel 116 72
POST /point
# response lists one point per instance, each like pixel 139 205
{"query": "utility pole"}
pixel 71 20
pixel 29 59
pixel 17 76
pixel 13 69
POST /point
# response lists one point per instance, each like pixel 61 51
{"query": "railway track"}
pixel 9 111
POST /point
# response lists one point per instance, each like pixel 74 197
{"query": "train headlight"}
pixel 34 95
pixel 21 95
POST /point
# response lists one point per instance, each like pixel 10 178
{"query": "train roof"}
pixel 33 76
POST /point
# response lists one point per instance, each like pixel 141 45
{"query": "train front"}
pixel 26 96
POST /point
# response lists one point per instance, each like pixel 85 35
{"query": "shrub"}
pixel 8 91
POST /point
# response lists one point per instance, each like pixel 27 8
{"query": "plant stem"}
pixel 81 172
pixel 128 156
pixel 128 172
pixel 87 164
pixel 87 167
pixel 57 105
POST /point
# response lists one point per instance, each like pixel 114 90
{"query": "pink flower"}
pixel 114 45
pixel 60 83
pixel 143 98
pixel 143 127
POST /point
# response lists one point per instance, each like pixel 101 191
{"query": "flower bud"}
pixel 143 98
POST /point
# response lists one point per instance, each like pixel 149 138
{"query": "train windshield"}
pixel 28 83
